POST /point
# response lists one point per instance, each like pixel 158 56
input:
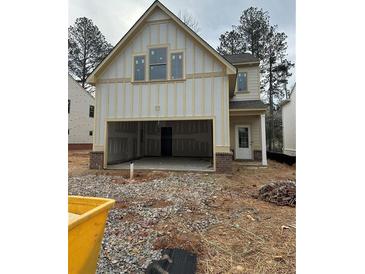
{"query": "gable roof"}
pixel 92 77
pixel 241 58
pixel 73 80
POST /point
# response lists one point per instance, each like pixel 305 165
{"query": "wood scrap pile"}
pixel 280 193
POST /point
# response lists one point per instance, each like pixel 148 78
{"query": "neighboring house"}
pixel 288 109
pixel 81 109
pixel 164 92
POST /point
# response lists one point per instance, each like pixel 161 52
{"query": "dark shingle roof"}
pixel 251 104
pixel 241 58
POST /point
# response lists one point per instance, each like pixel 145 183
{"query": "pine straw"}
pixel 264 243
pixel 253 236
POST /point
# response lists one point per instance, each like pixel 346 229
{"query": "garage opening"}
pixel 161 145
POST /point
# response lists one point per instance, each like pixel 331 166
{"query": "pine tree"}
pixel 256 35
pixel 87 47
pixel 275 69
pixel 231 43
pixel 253 28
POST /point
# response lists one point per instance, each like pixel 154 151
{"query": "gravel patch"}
pixel 130 232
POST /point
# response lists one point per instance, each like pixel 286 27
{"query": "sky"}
pixel 115 17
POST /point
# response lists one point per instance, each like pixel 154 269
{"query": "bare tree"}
pixel 189 20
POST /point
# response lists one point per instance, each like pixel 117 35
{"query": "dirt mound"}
pixel 280 193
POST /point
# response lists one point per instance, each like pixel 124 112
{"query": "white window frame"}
pixel 245 90
pixel 145 66
pixel 167 63
pixel 183 64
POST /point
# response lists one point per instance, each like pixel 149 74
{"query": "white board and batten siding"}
pixel 79 122
pixel 289 125
pixel 203 94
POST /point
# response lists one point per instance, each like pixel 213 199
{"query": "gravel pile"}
pixel 129 237
pixel 280 193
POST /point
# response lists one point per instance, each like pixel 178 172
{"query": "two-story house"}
pixel 166 99
pixel 81 106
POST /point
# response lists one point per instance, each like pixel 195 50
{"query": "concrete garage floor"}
pixel 168 163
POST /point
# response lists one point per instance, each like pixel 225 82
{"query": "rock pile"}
pixel 280 193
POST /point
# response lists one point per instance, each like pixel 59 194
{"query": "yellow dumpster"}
pixel 86 223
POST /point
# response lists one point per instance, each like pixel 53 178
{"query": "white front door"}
pixel 243 142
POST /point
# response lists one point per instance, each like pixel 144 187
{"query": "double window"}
pixel 242 82
pixel 158 65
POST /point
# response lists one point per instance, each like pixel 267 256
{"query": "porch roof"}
pixel 242 58
pixel 247 104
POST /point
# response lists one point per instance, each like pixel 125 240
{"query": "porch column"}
pixel 263 140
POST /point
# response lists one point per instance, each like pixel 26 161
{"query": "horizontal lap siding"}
pixel 289 126
pixel 79 122
pixel 253 85
pixel 254 122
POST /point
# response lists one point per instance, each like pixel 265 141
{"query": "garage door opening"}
pixel 161 145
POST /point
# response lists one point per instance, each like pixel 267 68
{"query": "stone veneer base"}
pixel 96 160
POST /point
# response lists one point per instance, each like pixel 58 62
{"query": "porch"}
pixel 247 132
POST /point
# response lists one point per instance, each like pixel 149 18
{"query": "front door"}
pixel 166 141
pixel 243 142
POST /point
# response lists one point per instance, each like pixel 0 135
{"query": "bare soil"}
pixel 254 237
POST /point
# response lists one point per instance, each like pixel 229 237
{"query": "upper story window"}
pixel 177 65
pixel 139 68
pixel 158 64
pixel 69 105
pixel 91 111
pixel 242 82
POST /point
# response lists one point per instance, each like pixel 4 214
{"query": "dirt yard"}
pixel 214 216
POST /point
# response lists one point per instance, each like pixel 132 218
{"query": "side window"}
pixel 91 111
pixel 158 64
pixel 69 105
pixel 139 68
pixel 177 65
pixel 242 82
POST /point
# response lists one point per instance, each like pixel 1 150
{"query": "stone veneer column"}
pixel 96 160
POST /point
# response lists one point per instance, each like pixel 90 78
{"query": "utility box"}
pixel 86 222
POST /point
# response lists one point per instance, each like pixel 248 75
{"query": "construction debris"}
pixel 280 193
pixel 205 214
pixel 174 261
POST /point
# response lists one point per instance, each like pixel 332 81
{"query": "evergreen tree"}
pixel 87 47
pixel 253 28
pixel 275 69
pixel 256 35
pixel 231 43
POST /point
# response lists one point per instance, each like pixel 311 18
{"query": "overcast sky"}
pixel 115 17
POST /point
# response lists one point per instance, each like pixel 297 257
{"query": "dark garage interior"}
pixel 170 145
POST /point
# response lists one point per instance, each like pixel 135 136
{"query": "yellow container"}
pixel 86 223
